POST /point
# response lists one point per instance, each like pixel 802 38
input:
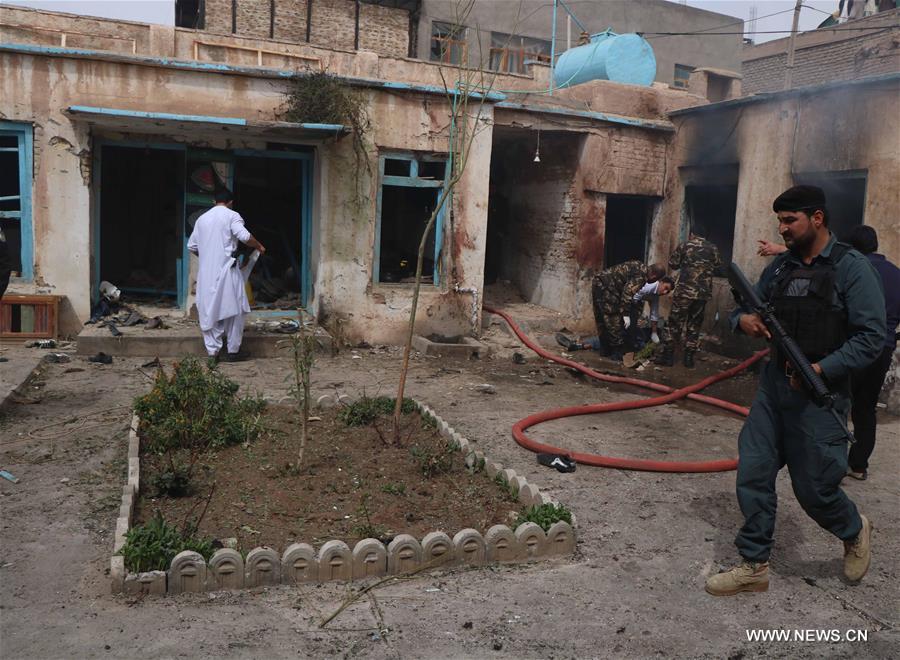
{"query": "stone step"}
pixel 181 341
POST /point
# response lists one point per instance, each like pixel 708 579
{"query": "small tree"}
pixel 303 353
pixel 466 98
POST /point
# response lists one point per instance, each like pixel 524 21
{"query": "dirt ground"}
pixel 352 485
pixel 646 541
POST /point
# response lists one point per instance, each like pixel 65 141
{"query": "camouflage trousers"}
pixel 606 297
pixel 686 317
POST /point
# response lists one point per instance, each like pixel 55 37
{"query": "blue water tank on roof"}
pixel 624 58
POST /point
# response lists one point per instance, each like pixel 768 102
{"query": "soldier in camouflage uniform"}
pixel 612 292
pixel 696 260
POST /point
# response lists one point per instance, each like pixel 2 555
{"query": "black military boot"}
pixel 666 358
pixel 689 359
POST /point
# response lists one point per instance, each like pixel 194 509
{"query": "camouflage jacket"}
pixel 695 261
pixel 619 283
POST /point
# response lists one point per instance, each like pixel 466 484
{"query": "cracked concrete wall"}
pixel 37 89
pixel 771 142
pixel 379 312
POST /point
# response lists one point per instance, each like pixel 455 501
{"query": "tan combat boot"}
pixel 747 576
pixel 857 553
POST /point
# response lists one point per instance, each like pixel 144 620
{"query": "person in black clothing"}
pixel 867 383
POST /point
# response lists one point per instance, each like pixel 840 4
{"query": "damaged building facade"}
pixel 736 157
pixel 121 132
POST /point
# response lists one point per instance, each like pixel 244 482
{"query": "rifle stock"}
pixel 812 381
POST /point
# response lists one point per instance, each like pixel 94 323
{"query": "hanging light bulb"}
pixel 537 150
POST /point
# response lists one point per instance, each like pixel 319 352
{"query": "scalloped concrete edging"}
pixel 335 560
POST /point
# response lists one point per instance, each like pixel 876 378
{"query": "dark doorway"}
pixel 268 193
pixel 711 210
pixel 404 213
pixel 845 195
pixel 190 14
pixel 532 235
pixel 628 220
pixel 141 218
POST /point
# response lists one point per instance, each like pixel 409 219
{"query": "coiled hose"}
pixel 671 394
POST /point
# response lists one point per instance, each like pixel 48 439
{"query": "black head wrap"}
pixel 800 198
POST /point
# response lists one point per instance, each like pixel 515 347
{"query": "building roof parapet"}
pixel 889 20
pixel 787 93
pixel 232 69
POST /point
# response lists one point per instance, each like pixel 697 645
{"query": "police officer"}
pixel 612 293
pixel 829 299
pixel 695 260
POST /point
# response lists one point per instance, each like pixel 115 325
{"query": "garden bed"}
pixel 352 485
pixel 222 493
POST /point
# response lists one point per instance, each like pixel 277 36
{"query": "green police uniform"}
pixel 612 291
pixel 839 289
pixel 695 261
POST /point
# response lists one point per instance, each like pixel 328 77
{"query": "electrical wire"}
pixel 710 34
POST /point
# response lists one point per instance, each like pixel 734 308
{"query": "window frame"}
pixel 456 36
pixel 682 83
pixel 412 181
pixel 24 133
pixel 520 54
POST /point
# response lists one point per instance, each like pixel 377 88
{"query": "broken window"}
pixel 845 194
pixel 15 195
pixel 406 202
pixel 448 43
pixel 511 53
pixel 627 232
pixel 190 14
pixel 711 209
pixel 682 75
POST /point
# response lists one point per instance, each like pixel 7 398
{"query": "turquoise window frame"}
pixel 24 133
pixel 412 181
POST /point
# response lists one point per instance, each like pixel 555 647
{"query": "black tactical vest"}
pixel 805 303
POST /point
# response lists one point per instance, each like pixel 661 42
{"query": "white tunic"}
pixel 649 292
pixel 220 287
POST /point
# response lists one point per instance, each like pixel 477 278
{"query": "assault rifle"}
pixel 812 381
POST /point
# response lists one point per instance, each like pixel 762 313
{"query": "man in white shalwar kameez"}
pixel 221 296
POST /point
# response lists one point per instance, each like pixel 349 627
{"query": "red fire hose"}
pixel 519 428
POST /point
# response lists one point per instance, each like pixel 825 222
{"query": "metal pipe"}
pixel 460 289
pixel 553 47
pixel 574 17
pixel 568 31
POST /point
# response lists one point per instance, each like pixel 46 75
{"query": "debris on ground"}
pixel 41 343
pixel 486 388
pixel 8 476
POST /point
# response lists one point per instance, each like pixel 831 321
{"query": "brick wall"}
pixel 540 236
pixel 625 161
pixel 333 23
pixel 384 30
pixel 290 20
pixel 871 54
pixel 218 16
pixel 253 18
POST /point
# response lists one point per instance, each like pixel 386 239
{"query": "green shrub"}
pixel 394 489
pixel 196 408
pixel 368 409
pixel 433 462
pixel 544 515
pixel 429 422
pixel 172 481
pixel 152 546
